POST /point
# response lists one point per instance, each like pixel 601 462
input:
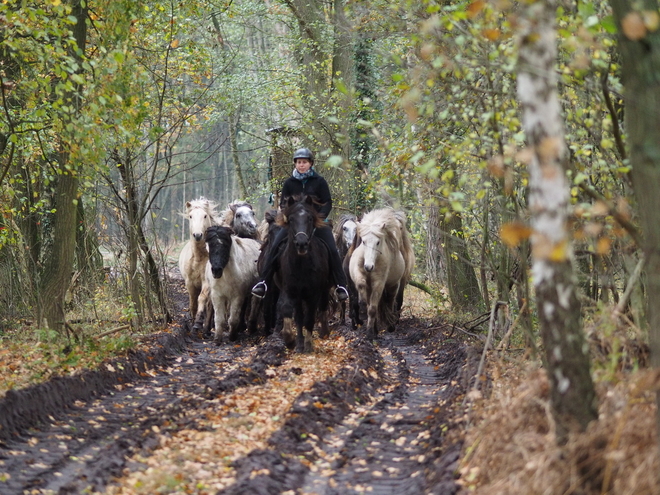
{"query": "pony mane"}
pixel 389 224
pixel 297 202
pixel 270 217
pixel 383 223
pixel 203 203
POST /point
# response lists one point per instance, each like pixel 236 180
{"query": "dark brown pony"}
pixel 269 302
pixel 304 274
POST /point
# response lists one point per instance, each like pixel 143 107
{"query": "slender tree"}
pixel 567 361
pixel 58 265
pixel 639 44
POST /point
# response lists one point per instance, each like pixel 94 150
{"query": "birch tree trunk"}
pixel 567 360
pixel 639 45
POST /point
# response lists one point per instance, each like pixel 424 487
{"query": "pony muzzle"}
pixel 217 272
pixel 301 241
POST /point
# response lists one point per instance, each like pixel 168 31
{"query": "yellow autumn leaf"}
pixel 593 229
pixel 491 34
pixel 525 155
pixel 603 246
pixel 514 233
pixel 651 20
pixel 600 209
pixel 549 149
pixel 174 44
pixel 496 166
pixel 559 252
pixel 475 8
pixel 633 26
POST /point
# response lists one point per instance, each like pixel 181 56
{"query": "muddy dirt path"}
pixel 383 423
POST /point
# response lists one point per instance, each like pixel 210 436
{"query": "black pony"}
pixel 304 274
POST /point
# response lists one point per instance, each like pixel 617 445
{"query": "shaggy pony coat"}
pixel 230 274
pixel 201 214
pixel 381 265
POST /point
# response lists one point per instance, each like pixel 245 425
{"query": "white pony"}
pixel 344 233
pixel 194 255
pixel 381 265
pixel 240 216
pixel 230 274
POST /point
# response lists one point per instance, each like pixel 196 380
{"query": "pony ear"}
pixel 188 205
pixel 309 200
pixel 232 207
pixel 290 201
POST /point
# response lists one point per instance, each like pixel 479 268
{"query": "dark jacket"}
pixel 312 186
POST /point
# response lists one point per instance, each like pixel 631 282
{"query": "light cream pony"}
pixel 381 265
pixel 194 256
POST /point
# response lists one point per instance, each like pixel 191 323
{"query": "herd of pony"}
pixel 221 260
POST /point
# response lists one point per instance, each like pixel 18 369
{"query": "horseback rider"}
pixel 305 180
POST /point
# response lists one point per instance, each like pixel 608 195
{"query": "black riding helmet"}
pixel 303 153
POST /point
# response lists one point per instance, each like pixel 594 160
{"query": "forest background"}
pixel 115 113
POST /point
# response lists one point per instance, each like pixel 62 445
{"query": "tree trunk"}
pixel 233 140
pixel 56 276
pixel 640 52
pixel 461 277
pixel 124 166
pixel 58 265
pixel 566 355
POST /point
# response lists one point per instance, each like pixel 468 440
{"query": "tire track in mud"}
pixel 395 447
pixel 386 435
pixel 86 445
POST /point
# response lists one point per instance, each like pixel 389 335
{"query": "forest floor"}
pixel 184 415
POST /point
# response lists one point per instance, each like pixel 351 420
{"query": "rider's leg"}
pixel 268 267
pixel 325 234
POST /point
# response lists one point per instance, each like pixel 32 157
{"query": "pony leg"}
pixel 372 310
pixel 300 324
pixel 202 309
pixel 324 331
pixel 235 316
pixel 308 327
pixel 220 321
pixel 256 308
pixel 209 320
pixel 288 333
pixel 193 296
pixel 390 309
